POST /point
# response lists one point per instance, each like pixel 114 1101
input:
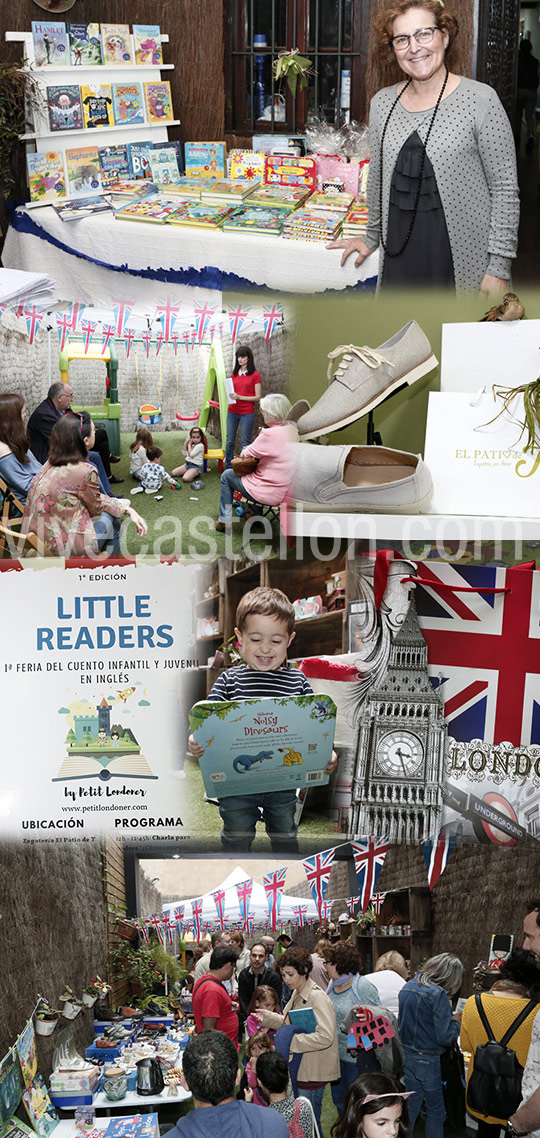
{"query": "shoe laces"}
pixel 347 352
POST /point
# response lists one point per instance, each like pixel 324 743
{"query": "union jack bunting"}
pixel 157 924
pixel 250 924
pixel 88 328
pixel 159 341
pixel 168 314
pixel 377 901
pixel 196 914
pixel 244 890
pixel 179 918
pixel 129 336
pixel 237 318
pixel 484 649
pixel 169 929
pixel 325 911
pixel 369 854
pixel 272 315
pixel 219 901
pixel 122 311
pixel 63 324
pixel 33 316
pixel 203 315
pixel 274 884
pixel 436 852
pixel 318 869
pixel 352 904
pixel 109 331
pixel 146 338
pixel 300 913
pixel 75 314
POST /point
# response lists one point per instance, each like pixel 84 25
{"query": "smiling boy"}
pixel 265 629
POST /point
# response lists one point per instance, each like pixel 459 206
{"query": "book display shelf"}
pixel 403 925
pixel 48 75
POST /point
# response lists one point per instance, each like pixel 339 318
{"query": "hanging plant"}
pixel 293 67
pixel 530 424
pixel 20 98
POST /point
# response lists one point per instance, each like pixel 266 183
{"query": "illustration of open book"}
pixel 98 750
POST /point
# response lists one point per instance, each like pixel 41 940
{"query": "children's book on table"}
pixel 256 746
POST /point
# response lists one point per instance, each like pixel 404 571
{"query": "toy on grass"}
pixel 107 414
pixel 149 414
pixel 215 377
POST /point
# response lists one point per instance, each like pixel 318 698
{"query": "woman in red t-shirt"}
pixel 247 387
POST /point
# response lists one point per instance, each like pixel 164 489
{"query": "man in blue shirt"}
pixel 210 1072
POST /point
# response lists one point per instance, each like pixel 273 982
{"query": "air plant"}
pixel 293 67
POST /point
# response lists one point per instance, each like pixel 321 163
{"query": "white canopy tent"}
pixel 258 903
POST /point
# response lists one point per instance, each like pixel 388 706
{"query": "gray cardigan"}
pixel 472 151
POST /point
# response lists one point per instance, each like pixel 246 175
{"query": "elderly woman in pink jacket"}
pixel 271 478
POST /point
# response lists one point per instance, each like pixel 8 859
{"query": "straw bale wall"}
pixel 52 933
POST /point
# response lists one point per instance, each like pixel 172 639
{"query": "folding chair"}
pixel 15 544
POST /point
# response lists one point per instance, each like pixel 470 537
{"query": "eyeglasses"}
pixel 422 36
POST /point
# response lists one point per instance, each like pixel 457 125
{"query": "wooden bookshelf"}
pixel 413 906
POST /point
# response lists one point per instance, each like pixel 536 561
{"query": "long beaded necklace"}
pixel 422 163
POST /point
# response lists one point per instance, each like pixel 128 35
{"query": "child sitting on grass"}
pixel 152 473
pixel 194 448
pixel 138 451
pixel 265 629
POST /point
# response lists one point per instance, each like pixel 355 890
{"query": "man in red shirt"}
pixel 212 1004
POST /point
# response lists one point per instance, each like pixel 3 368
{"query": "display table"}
pixel 90 258
pixel 132 1102
pixel 410 528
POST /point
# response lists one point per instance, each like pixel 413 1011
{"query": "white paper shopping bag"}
pixel 480 467
pixel 477 355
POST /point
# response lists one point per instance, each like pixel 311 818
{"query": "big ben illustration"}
pixel 398 779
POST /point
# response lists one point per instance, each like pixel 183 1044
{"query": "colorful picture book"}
pixel 26 1050
pixel 84 45
pixel 334 174
pixel 355 223
pixel 83 171
pixel 128 106
pixel 64 105
pixel 113 163
pixel 158 102
pixel 39 1107
pixel 147 41
pixel 139 159
pixel 256 219
pixel 81 207
pixel 276 195
pixel 156 208
pixel 201 216
pixel 46 176
pixel 116 43
pixel 340 201
pixel 246 164
pixel 51 44
pixel 227 190
pixel 163 167
pixel 190 188
pixel 97 105
pixel 205 159
pixel 14 1128
pixel 128 188
pixel 172 145
pixel 136 1126
pixel 11 1085
pixel 275 744
pixel 290 171
pixel 312 225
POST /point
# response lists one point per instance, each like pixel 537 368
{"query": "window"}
pixel 328 32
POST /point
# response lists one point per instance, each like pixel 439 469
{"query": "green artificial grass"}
pixel 202 822
pixel 182 523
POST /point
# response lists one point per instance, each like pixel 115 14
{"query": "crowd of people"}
pixel 385 1043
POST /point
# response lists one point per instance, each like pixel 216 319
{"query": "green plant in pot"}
pixel 95 989
pixel 71 1003
pixel 46 1017
pixel 367 921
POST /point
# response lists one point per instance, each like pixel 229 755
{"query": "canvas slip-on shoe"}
pixel 366 376
pixel 359 480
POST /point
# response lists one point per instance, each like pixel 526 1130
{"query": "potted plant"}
pixel 46 1017
pixel 366 922
pixel 72 1004
pixel 95 989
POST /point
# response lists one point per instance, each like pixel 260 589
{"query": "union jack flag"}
pixel 33 316
pixel 168 314
pixel 169 928
pixel 300 913
pixel 484 649
pixel 159 341
pixel 352 904
pixel 219 900
pixel 318 869
pixel 196 914
pixel 203 315
pixel 250 924
pixel 179 918
pixel 122 312
pixel 325 911
pixel 63 323
pixel 274 884
pixel 88 328
pixel 244 890
pixel 129 336
pixel 377 901
pixel 369 853
pixel 174 341
pixel 272 315
pixel 436 852
pixel 109 330
pixel 237 318
pixel 157 924
pixel 146 338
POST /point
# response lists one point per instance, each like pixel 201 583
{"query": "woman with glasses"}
pixel 442 191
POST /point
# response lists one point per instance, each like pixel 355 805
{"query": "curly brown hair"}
pixel 344 956
pixel 297 958
pixel 384 70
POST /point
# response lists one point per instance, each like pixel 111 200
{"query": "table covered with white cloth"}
pixel 101 258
